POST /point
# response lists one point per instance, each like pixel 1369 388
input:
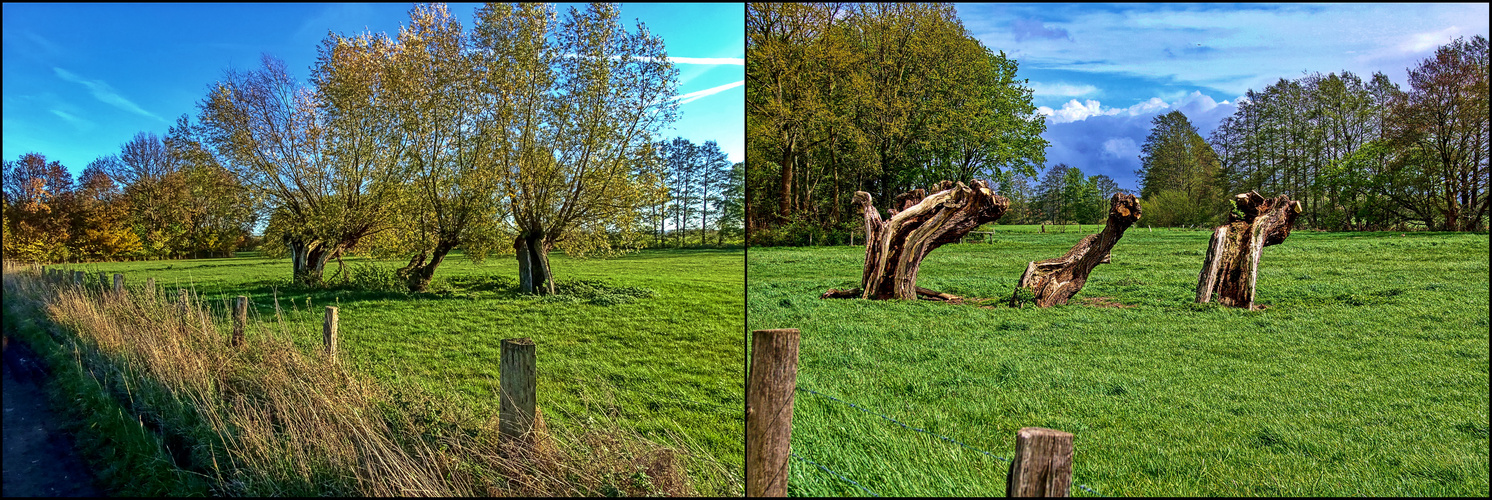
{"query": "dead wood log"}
pixel 1054 281
pixel 1232 261
pixel 918 224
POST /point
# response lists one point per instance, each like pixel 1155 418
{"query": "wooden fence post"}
pixel 240 318
pixel 78 278
pixel 118 283
pixel 1042 466
pixel 181 302
pixel 517 379
pixel 769 410
pixel 329 332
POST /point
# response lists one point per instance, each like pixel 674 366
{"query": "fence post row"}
pixel 517 380
pixel 1042 466
pixel 769 410
pixel 329 332
pixel 240 319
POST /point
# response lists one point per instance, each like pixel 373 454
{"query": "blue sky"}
pixel 81 80
pixel 1101 72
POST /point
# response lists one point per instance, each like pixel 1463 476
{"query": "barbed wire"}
pixel 841 476
pixel 898 422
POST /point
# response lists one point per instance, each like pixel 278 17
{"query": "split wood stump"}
pixel 1233 257
pixel 1055 281
pixel 919 223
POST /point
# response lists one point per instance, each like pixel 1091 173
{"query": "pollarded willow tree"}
pixel 579 100
pixel 327 172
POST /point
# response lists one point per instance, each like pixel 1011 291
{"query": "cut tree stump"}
pixel 919 223
pixel 1232 261
pixel 1055 281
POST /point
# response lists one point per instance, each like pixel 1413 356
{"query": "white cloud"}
pixel 1191 104
pixel 77 122
pixel 1075 111
pixel 1061 89
pixel 692 96
pixel 103 92
pixel 1423 42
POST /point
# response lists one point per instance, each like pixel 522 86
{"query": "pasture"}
pixel 1365 374
pixel 661 357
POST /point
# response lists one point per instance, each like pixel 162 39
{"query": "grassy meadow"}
pixel 1365 374
pixel 662 358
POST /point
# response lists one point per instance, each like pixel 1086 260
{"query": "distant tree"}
pixel 38 199
pixel 732 203
pixel 100 220
pixel 1441 127
pixel 1176 158
pixel 714 165
pixel 1051 194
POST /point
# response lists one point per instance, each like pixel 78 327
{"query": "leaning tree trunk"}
pixel 1232 261
pixel 533 264
pixel 308 259
pixel 919 223
pixel 418 273
pixel 1054 281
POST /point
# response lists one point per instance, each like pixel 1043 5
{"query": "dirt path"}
pixel 39 457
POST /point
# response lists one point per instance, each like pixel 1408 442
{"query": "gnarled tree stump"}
pixel 1233 257
pixel 1054 281
pixel 919 223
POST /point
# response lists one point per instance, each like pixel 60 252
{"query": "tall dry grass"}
pixel 266 418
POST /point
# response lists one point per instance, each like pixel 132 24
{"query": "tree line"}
pixel 880 98
pixel 528 132
pixel 1359 154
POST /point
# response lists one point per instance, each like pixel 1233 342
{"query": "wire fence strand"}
pixel 840 476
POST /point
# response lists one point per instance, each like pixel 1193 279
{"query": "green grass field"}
pixel 669 367
pixel 1367 373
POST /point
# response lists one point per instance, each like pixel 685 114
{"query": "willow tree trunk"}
pixel 919 223
pixel 1232 261
pixel 533 263
pixel 308 259
pixel 1055 281
pixel 418 273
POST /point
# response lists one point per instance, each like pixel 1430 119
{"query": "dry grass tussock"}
pixel 266 418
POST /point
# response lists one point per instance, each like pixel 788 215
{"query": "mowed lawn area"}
pixel 669 367
pixel 1366 374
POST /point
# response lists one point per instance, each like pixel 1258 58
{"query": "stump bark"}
pixel 1232 261
pixel 918 224
pixel 1055 281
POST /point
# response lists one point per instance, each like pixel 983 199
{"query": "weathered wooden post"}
pixel 181 302
pixel 78 278
pixel 240 319
pixel 329 332
pixel 769 410
pixel 518 374
pixel 118 283
pixel 1042 466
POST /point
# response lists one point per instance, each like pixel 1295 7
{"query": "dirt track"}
pixel 40 460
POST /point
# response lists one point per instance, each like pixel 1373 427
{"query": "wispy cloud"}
pixel 1061 89
pixel 1024 29
pixel 696 95
pixel 82 124
pixel 103 92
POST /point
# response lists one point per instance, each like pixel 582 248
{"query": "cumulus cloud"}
pixel 1106 140
pixel 105 93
